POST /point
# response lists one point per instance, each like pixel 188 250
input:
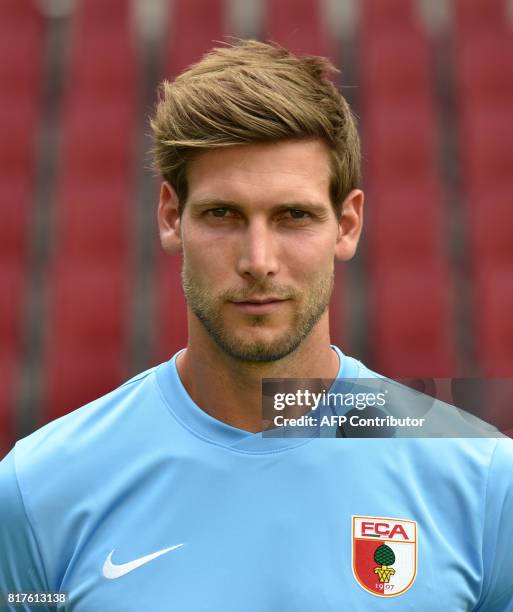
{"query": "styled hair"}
pixel 254 92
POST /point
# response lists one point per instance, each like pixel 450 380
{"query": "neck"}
pixel 230 390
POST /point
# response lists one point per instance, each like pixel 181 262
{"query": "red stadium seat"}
pixel 21 47
pixel 493 306
pixel 12 307
pixel 105 64
pixel 10 368
pixel 399 126
pixel 90 273
pixel 394 55
pixel 103 59
pixel 21 74
pixel 15 199
pixel 87 333
pixel 101 14
pixel 12 296
pixel 489 216
pixel 193 27
pixel 95 219
pixel 410 291
pixel 377 16
pixel 89 302
pixel 399 144
pixel 22 51
pixel 395 66
pixel 18 123
pixel 486 150
pixel 480 15
pixel 99 140
pixel 411 330
pixel 406 224
pixel 298 25
pixel 15 12
pixel 484 63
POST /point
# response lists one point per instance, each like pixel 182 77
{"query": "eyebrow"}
pixel 315 207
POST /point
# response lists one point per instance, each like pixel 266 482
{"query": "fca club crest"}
pixel 384 554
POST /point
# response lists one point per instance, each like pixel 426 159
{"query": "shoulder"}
pixel 78 438
pixel 53 479
pixel 89 417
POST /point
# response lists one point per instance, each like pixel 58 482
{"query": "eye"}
pixel 295 213
pixel 217 212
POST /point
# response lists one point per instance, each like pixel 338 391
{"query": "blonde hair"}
pixel 253 92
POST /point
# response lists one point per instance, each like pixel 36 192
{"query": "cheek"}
pixel 311 260
pixel 207 259
pixel 196 247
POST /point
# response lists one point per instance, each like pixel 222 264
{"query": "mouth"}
pixel 259 305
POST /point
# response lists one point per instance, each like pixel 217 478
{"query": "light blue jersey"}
pixel 142 501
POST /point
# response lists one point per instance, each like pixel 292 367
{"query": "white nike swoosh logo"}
pixel 111 570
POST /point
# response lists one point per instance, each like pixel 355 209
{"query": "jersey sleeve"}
pixel 497 593
pixel 21 566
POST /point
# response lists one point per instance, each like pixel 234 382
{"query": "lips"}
pixel 259 305
pixel 259 300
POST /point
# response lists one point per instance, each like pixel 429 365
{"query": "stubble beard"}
pixel 308 311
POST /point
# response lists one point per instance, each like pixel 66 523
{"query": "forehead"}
pixel 290 170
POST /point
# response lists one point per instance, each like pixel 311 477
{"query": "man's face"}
pixel 258 237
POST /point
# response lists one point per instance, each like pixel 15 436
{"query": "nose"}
pixel 257 258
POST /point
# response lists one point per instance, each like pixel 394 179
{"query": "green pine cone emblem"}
pixel 384 555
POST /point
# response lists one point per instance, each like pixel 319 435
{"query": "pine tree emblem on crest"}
pixel 385 557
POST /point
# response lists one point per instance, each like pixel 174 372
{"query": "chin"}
pixel 259 348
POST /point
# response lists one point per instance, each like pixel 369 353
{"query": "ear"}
pixel 169 220
pixel 350 225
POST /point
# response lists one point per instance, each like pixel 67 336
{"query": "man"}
pixel 163 495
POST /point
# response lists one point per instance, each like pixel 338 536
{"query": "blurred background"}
pixel 86 297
